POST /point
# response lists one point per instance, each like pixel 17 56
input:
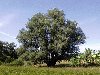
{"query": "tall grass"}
pixel 30 70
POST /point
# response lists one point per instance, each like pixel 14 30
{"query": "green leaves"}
pixel 53 34
pixel 88 58
pixel 7 52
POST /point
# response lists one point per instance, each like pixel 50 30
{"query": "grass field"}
pixel 30 70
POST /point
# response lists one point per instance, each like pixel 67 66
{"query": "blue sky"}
pixel 14 15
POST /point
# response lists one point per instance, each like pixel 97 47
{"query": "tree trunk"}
pixel 51 63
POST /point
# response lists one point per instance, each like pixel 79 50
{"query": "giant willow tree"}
pixel 51 36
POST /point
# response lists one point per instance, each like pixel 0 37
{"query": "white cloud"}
pixel 89 21
pixel 5 22
pixel 1 24
pixel 7 34
pixel 7 19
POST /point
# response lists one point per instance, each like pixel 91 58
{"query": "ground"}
pixel 31 70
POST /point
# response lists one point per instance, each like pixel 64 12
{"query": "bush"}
pixel 25 56
pixel 75 61
pixel 0 63
pixel 17 63
pixel 28 63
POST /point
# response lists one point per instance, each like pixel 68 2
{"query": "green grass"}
pixel 30 70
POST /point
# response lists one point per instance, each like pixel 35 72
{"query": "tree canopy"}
pixel 51 36
pixel 7 52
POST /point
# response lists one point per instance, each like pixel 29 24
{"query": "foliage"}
pixel 17 63
pixel 88 58
pixel 28 63
pixel 7 52
pixel 20 50
pixel 35 57
pixel 75 62
pixel 51 36
pixel 0 63
pixel 25 56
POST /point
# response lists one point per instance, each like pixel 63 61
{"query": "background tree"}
pixel 54 37
pixel 20 50
pixel 7 52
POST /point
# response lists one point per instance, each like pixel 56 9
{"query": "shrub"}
pixel 17 63
pixel 0 63
pixel 28 63
pixel 75 61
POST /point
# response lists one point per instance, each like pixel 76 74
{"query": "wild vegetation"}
pixel 88 58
